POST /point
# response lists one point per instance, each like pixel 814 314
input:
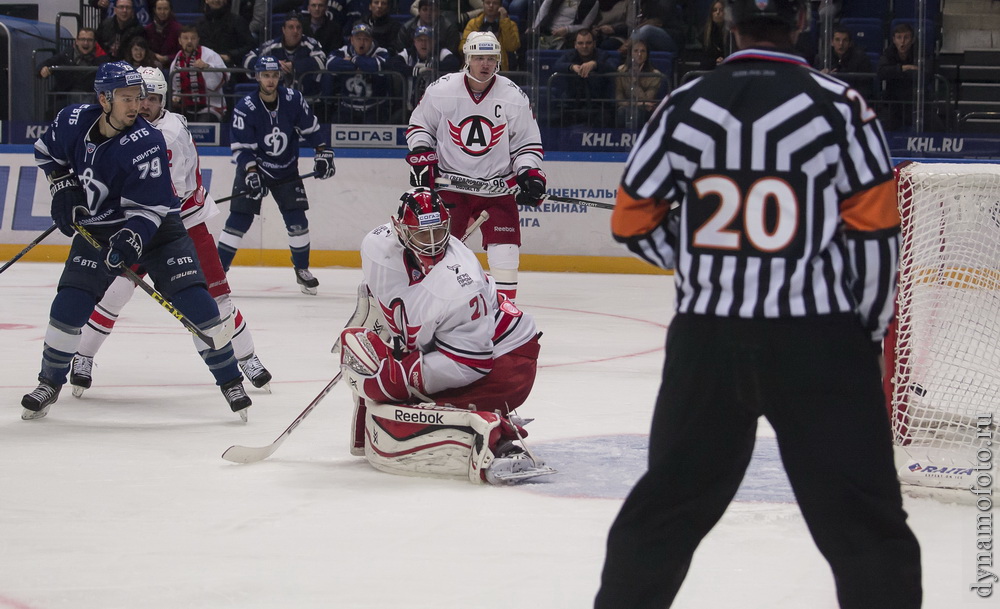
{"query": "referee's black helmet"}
pixel 784 11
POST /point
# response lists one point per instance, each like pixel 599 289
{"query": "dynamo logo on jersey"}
pixel 276 142
pixel 96 190
pixel 476 135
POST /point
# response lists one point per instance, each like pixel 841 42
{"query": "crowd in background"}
pixel 368 61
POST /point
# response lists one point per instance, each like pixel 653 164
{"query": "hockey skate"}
pixel 81 374
pixel 237 397
pixel 256 373
pixel 307 283
pixel 36 404
pixel 515 465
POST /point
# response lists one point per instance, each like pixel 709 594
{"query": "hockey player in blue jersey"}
pixel 108 171
pixel 265 133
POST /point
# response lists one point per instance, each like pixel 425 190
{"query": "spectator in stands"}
pixel 164 32
pixel 845 56
pixel 347 12
pixel 639 86
pixel 114 33
pixel 559 20
pixel 429 15
pixel 301 57
pixel 418 66
pixel 139 9
pixel 716 41
pixel 659 26
pixel 225 32
pixel 362 92
pixel 385 29
pixel 323 27
pixel 138 55
pixel 197 94
pixel 494 19
pixel 458 12
pixel 896 68
pixel 611 29
pixel 586 89
pixel 83 54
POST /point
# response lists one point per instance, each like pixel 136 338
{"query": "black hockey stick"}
pixel 252 454
pixel 485 186
pixel 216 342
pixel 311 174
pixel 27 249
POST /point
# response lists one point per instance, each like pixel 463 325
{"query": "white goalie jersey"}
pixel 197 206
pixel 452 314
pixel 486 138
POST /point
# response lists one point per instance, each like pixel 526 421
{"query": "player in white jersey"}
pixel 472 126
pixel 197 206
pixel 441 401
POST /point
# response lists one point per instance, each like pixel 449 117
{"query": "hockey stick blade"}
pixel 252 454
pixel 311 174
pixel 484 186
pixel 218 341
pixel 27 248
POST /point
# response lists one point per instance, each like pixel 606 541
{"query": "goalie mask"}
pixel 481 44
pixel 423 226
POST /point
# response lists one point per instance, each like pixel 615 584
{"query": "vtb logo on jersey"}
pixel 476 135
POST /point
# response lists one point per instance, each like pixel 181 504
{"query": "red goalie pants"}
pixel 817 382
pixel 505 388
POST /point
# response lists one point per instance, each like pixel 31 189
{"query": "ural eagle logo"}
pixel 476 135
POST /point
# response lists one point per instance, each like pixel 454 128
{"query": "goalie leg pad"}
pixel 358 426
pixel 431 441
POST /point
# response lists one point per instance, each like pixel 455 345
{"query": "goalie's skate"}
pixel 307 282
pixel 237 397
pixel 256 373
pixel 81 374
pixel 515 467
pixel 36 404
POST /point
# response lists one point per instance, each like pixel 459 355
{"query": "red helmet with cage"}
pixel 423 225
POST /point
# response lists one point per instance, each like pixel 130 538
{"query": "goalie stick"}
pixel 251 454
pixel 474 185
pixel 27 248
pixel 217 342
pixel 311 174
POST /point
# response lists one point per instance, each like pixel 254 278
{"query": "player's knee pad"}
pixel 238 223
pixel 503 256
pixel 430 440
pixel 295 221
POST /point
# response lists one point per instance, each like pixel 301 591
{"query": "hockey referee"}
pixel 785 246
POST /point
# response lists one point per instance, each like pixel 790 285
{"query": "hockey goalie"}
pixel 436 359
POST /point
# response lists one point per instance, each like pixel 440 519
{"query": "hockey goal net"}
pixel 943 353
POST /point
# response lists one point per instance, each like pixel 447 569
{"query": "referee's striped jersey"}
pixel 787 204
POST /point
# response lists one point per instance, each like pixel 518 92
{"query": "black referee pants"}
pixel 817 382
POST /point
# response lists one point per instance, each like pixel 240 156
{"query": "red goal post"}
pixel 942 352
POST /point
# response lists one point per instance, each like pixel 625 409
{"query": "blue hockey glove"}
pixel 423 166
pixel 67 195
pixel 323 163
pixel 124 249
pixel 532 185
pixel 255 186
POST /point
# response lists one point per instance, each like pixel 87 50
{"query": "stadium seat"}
pixel 188 18
pixel 907 9
pixel 868 34
pixel 871 9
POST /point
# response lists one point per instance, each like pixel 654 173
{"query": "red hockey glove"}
pixel 373 372
pixel 532 185
pixel 423 166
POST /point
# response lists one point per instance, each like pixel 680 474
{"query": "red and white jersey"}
pixel 452 315
pixel 489 137
pixel 197 206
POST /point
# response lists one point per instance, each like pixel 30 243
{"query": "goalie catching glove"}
pixel 373 371
pixel 323 165
pixel 423 166
pixel 532 185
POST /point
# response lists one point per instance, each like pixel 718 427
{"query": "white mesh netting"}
pixel 947 371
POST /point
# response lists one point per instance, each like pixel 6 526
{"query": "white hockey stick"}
pixel 485 186
pixel 483 217
pixel 251 454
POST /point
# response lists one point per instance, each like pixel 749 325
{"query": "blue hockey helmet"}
pixel 116 75
pixel 266 63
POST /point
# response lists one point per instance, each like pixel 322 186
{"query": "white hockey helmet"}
pixel 153 80
pixel 481 43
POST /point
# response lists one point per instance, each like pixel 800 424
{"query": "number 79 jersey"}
pixel 452 314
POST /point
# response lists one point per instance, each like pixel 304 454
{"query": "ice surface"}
pixel 121 499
